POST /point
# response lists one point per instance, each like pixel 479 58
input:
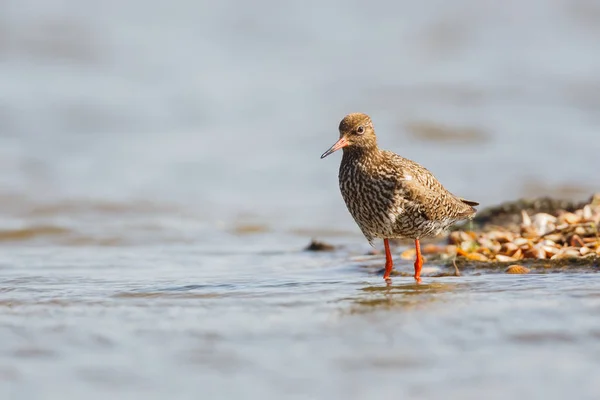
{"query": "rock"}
pixel 315 245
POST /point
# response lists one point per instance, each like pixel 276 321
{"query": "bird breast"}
pixel 372 197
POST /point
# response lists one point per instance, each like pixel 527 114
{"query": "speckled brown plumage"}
pixel 388 195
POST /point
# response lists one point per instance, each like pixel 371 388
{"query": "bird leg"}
pixel 418 261
pixel 388 261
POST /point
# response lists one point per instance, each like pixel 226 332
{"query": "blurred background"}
pixel 224 108
pixel 160 173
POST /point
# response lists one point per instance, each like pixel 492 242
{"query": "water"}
pixel 153 323
pixel 160 176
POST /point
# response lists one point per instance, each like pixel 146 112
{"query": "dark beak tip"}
pixel 327 153
pixel 338 145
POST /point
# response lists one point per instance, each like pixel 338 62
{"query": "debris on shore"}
pixel 517 269
pixel 554 233
pixel 509 214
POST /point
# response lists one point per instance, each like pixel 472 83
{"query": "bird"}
pixel 390 196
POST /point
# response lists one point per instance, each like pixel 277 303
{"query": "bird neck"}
pixel 357 153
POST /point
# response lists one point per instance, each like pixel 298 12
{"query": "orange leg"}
pixel 418 261
pixel 388 260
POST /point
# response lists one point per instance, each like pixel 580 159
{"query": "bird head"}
pixel 356 133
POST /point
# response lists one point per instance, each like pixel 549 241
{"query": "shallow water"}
pixel 181 322
pixel 160 176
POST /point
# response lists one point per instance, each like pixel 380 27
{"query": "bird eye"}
pixel 360 130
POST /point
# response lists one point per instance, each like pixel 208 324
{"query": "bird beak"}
pixel 338 145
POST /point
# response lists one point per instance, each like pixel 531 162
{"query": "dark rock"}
pixel 316 245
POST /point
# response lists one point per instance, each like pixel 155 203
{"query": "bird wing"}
pixel 426 193
pixel 419 195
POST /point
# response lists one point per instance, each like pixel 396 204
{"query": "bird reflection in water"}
pixel 404 296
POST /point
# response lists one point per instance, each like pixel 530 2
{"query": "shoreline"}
pixel 538 235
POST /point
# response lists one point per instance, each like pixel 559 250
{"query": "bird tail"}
pixel 470 203
pixel 471 210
